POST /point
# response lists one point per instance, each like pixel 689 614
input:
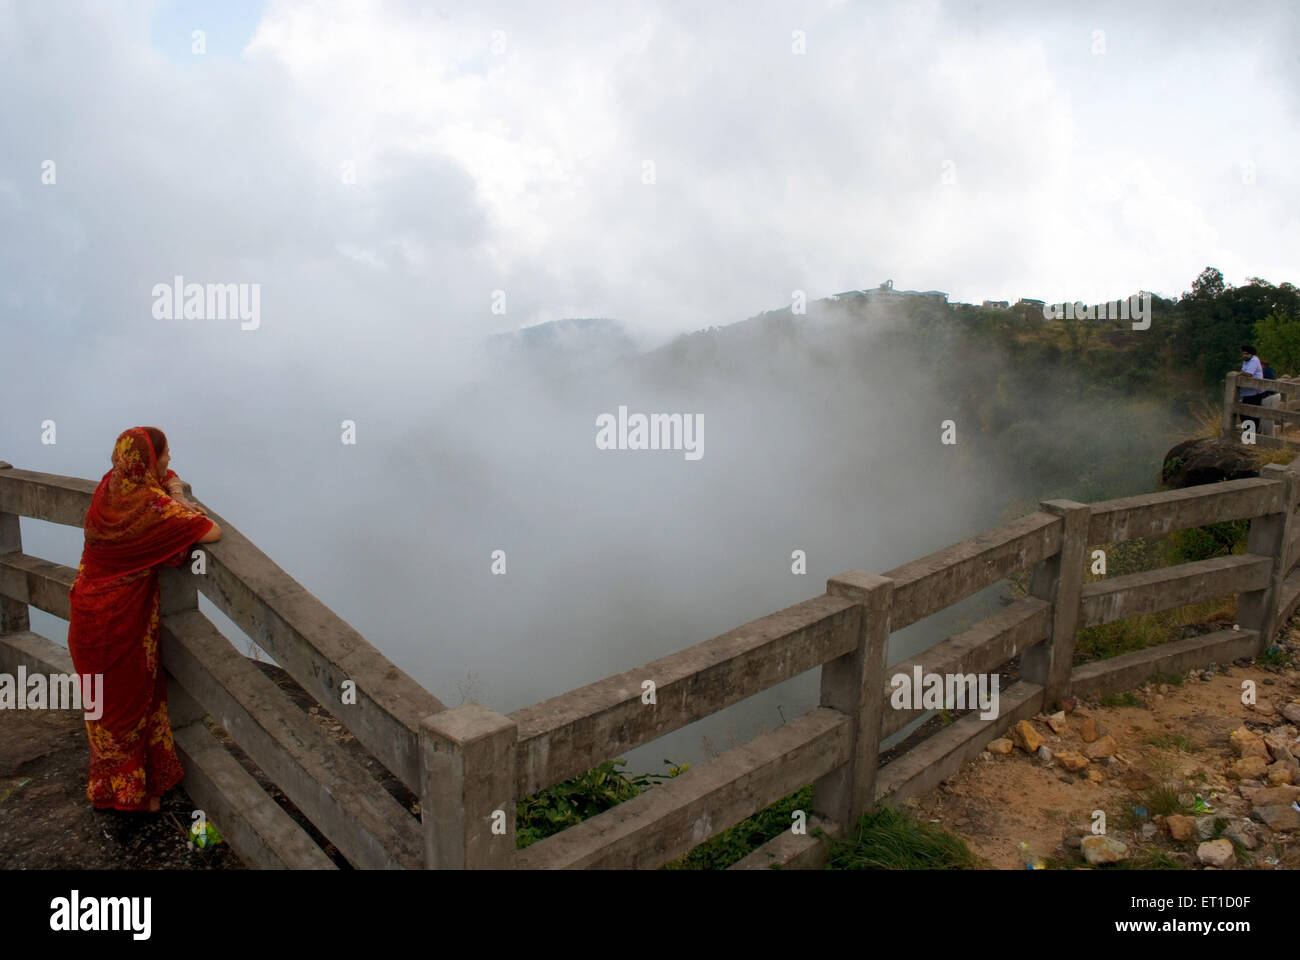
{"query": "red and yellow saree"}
pixel 131 528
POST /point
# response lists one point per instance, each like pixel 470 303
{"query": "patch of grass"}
pixel 1106 640
pixel 1063 863
pixel 737 842
pixel 1265 455
pixel 1172 741
pixel 1150 858
pixel 1173 679
pixel 1165 799
pixel 1162 799
pixel 1145 857
pixel 893 839
pixel 1126 699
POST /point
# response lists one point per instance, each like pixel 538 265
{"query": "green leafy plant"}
pixel 574 800
pixel 1203 543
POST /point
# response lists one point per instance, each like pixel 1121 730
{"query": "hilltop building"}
pixel 885 293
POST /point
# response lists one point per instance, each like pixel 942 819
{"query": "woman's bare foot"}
pixel 155 804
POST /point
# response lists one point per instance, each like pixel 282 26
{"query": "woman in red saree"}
pixel 137 521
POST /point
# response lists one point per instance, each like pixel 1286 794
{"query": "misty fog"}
pixel 670 167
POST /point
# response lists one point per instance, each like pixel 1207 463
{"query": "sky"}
pixel 400 180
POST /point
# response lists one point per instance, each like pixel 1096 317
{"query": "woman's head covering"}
pixel 132 523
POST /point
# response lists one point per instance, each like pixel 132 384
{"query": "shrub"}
pixel 578 798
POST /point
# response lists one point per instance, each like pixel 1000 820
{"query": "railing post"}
pixel 13 613
pixel 178 586
pixel 1229 398
pixel 1059 580
pixel 1270 536
pixel 854 684
pixel 178 589
pixel 467 796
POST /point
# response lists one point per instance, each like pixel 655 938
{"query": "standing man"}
pixel 1251 367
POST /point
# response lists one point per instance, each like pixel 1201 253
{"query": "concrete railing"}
pixel 378 703
pixel 1278 417
pixel 485 761
pixel 470 764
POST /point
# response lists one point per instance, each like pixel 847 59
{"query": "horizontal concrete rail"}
pixel 1260 412
pixel 575 731
pixel 981 649
pixel 1135 594
pixel 317 647
pixel 792 851
pixel 255 826
pixel 1153 514
pixel 334 792
pixel 942 754
pixel 940 579
pixel 45 496
pixel 1129 670
pixel 34 652
pixel 1288 387
pixel 1276 443
pixel 320 650
pixel 668 820
pixel 38 582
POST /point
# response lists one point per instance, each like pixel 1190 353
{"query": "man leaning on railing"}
pixel 1251 367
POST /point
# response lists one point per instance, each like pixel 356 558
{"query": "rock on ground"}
pixel 1216 853
pixel 1099 850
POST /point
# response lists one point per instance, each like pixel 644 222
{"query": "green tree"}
pixel 1215 319
pixel 1277 338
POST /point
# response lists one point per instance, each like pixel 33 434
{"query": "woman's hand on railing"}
pixel 176 491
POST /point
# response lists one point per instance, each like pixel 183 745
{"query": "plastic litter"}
pixel 204 835
pixel 14 789
pixel 1031 862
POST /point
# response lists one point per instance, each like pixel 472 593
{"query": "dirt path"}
pixel 1173 745
pixel 47 823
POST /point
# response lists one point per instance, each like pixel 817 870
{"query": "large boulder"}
pixel 1207 460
